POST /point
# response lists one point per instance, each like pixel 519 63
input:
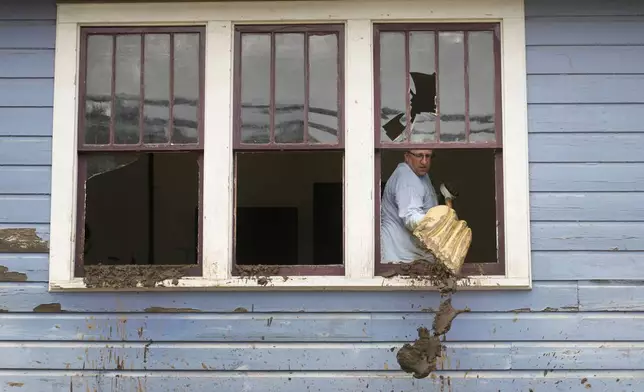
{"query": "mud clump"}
pixel 420 357
pixel 444 317
pixel 258 271
pixel 129 276
pixel 10 276
pixel 48 308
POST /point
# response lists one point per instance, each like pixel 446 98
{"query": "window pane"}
pixel 186 88
pixel 422 64
pixel 98 108
pixel 481 73
pixel 323 89
pixel 157 88
pixel 128 89
pixel 255 88
pixel 451 83
pixel 289 88
pixel 393 94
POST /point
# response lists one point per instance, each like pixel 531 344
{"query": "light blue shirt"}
pixel 405 201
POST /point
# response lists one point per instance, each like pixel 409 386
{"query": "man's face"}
pixel 419 161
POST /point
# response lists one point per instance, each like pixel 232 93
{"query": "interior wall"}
pixel 118 208
pixel 286 179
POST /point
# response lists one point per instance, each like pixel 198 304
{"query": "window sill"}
pixel 306 283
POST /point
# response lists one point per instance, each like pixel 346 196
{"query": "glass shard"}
pixel 451 81
pixel 186 89
pixel 255 88
pixel 157 88
pixel 127 89
pixel 481 86
pixel 393 94
pixel 323 118
pixel 98 93
pixel 422 67
pixel 289 88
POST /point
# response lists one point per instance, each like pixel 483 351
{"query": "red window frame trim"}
pixel 489 268
pixel 239 147
pixel 83 150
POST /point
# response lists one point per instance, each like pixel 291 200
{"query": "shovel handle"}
pixel 449 203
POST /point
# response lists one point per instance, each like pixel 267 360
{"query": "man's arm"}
pixel 410 205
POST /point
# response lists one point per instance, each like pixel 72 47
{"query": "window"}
pixel 438 87
pixel 140 147
pixel 289 149
pixel 241 140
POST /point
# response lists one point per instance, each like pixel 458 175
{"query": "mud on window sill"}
pixel 299 283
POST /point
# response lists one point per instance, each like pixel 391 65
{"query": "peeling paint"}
pixel 23 240
pixel 10 276
pixel 49 308
pixel 159 309
pixel 15 384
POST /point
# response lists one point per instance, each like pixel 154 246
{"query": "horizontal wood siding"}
pixel 578 329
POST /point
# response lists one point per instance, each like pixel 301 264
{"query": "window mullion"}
pixel 359 244
pixel 218 141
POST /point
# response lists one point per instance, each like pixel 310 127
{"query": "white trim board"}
pixel 358 17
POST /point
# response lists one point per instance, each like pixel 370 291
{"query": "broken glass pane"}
pixel 142 208
pixel 393 94
pixel 255 88
pixel 103 163
pixel 422 86
pixel 128 89
pixel 289 88
pixel 157 88
pixel 451 80
pixel 482 102
pixel 323 89
pixel 186 89
pixel 98 94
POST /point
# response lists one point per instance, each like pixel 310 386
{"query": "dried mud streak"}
pixel 419 358
pixel 159 309
pixel 22 241
pixel 10 276
pixel 48 308
pixel 127 276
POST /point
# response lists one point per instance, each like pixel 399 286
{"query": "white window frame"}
pixel 358 17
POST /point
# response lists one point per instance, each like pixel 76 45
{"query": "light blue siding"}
pixel 573 30
pixel 578 329
pixel 587 265
pixel 585 118
pixel 31 63
pixel 559 296
pixel 494 381
pixel 29 121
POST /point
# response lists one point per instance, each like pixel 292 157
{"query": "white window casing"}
pixel 358 17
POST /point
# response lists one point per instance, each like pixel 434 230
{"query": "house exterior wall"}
pixel 577 329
